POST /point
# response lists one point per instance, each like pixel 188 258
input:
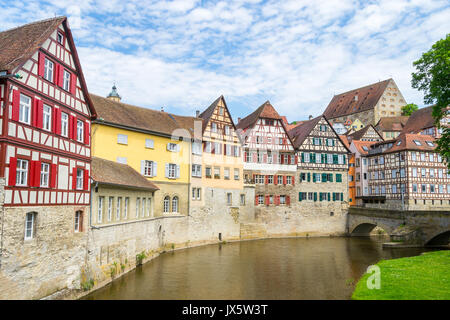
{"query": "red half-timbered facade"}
pixel 269 156
pixel 45 145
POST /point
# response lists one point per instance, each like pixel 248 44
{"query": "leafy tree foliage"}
pixel 408 109
pixel 433 78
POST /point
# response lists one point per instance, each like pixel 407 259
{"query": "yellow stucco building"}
pixel 155 143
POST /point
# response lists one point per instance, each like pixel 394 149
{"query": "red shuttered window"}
pixel 277 200
pixel 293 180
pixel 86 180
pixel 60 70
pixel 86 132
pixel 12 171
pixel 53 174
pixel 40 113
pixel 73 83
pixel 74 178
pixel 275 179
pixel 267 200
pixel 41 64
pixel 288 200
pixel 35 174
pixel 256 200
pixel 16 105
pixel 284 179
pixel 266 179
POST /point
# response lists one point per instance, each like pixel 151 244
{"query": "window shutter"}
pixel 12 171
pixel 296 159
pixel 74 178
pixel 265 157
pixel 266 179
pixel 53 173
pixel 155 168
pixel 277 200
pixel 309 177
pixel 344 158
pixel 60 75
pixel 245 156
pixel 41 64
pixel 86 132
pixel 34 112
pixel 314 177
pixel 256 200
pixel 330 177
pixel 324 177
pixel 37 174
pixel 75 120
pixel 284 180
pixel 224 149
pixel 335 158
pixel 334 196
pixel 303 158
pixel 275 179
pixel 73 84
pixel 329 196
pixel 40 113
pixel 315 196
pixel 267 200
pixel 15 105
pixel 86 180
pixel 167 170
pixel 288 200
pixel 178 148
pixel 143 167
pixel 300 196
pixel 289 159
pixel 178 170
pixel 293 180
pixel 342 196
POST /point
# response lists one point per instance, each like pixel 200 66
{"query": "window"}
pixel 138 207
pixel 148 168
pixel 431 173
pixel 216 173
pixel 80 126
pixel 208 172
pixel 402 172
pixel 125 209
pixel 417 142
pixel 197 148
pixel 260 199
pixel 30 225
pixel 413 156
pixel 60 38
pixel 175 204
pixel 424 188
pixel 306 157
pixel 279 179
pixel 110 207
pixel 242 199
pixel 213 127
pixel 119 208
pixel 229 199
pixel 236 174
pixel 66 81
pixel 172 147
pixel 227 130
pixel 424 172
pixel 221 111
pixel 100 209
pixel 149 143
pixel 288 179
pixel 270 179
pixel 149 206
pixel 414 187
pixel 78 221
pixel 122 160
pixel 122 139
pixel 259 179
pixel 79 185
pixel 422 156
pixel 172 170
pixel 394 188
pixel 414 172
pixel 22 172
pixel 282 199
pixel 47 118
pixel 226 173
pixel 143 207
pixel 432 188
pixel 197 170
pixel 45 172
pixel 48 70
pixel 166 204
pixel 64 124
pixel 431 157
pixel 24 111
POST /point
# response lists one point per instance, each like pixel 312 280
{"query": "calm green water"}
pixel 314 268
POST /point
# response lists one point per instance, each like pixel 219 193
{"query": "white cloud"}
pixel 184 54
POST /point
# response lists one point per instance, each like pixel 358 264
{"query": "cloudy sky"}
pixel 183 54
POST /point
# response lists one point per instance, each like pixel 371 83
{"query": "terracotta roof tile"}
pixel 391 123
pixel 119 113
pixel 113 173
pixel 266 110
pixel 406 141
pixel 419 120
pixel 360 144
pixel 18 44
pixel 357 135
pixel 302 131
pixel 344 103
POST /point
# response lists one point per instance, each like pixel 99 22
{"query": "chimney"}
pixel 239 120
pixel 162 109
pixel 310 117
pixel 197 113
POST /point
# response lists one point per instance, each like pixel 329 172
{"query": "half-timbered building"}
pixel 269 157
pixel 44 154
pixel 408 173
pixel 322 169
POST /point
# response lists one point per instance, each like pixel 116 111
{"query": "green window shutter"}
pixel 314 177
pixel 335 158
pixel 313 157
pixel 309 177
pixel 299 196
pixel 344 158
pixel 303 157
pixel 338 177
pixel 334 196
pixel 320 196
pixel 329 196
pixel 320 141
pixel 342 196
pixel 324 177
pixel 333 142
pixel 315 196
pixel 330 177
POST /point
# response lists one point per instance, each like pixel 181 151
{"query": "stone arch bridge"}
pixel 413 227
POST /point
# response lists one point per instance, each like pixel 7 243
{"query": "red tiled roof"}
pixel 391 123
pixel 405 141
pixel 113 173
pixel 266 110
pixel 345 104
pixel 206 115
pixel 302 131
pixel 419 120
pixel 357 135
pixel 360 144
pixel 344 140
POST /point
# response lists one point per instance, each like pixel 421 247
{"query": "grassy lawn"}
pixel 424 277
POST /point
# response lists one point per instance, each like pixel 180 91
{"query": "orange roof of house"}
pixel 360 144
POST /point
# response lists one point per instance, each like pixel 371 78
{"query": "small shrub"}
pixel 88 285
pixel 140 257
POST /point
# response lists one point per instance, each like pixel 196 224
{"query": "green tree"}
pixel 408 109
pixel 433 78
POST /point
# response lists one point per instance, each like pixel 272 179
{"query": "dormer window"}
pixel 400 142
pixel 430 143
pixel 417 142
pixel 60 38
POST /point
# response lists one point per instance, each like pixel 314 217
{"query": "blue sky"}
pixel 182 55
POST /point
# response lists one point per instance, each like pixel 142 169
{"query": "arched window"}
pixel 175 204
pixel 167 204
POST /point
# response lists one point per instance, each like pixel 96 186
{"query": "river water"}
pixel 294 268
